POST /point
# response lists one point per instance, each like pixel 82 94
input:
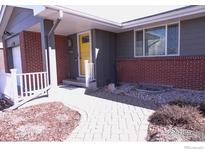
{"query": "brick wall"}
pixel 31 53
pixel 182 72
pixel 62 57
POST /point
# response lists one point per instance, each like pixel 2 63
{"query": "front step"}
pixel 81 79
pixel 78 83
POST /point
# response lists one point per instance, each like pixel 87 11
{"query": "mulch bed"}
pixel 51 121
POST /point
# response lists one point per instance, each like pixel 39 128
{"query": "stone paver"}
pixel 101 119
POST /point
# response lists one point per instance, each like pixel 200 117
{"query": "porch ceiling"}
pixel 71 24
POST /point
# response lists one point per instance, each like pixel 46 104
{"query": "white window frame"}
pixel 166 28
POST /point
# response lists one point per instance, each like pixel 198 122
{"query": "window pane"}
pixel 139 43
pixel 155 41
pixel 85 39
pixel 172 39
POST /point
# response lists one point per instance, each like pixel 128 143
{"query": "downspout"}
pixel 56 23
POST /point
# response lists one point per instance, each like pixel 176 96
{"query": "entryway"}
pixel 84 51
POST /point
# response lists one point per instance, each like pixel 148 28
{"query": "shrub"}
pixel 186 117
pixel 180 103
pixel 202 108
pixel 5 103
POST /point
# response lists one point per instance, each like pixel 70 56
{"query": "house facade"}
pixel 163 49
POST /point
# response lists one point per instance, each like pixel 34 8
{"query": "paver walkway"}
pixel 102 119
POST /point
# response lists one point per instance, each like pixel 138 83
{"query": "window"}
pixel 158 41
pixel 155 41
pixel 85 39
pixel 172 39
pixel 139 43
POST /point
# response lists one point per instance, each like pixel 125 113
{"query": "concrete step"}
pixel 79 83
pixel 81 79
pixel 74 82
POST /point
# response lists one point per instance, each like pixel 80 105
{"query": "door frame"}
pixel 20 57
pixel 78 44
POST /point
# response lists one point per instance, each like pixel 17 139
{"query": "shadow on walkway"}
pixel 122 99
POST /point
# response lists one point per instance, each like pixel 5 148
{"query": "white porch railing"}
pixel 89 72
pixel 23 86
pixel 30 84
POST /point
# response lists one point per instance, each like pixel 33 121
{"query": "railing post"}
pixel 14 86
pixel 53 69
pixel 87 73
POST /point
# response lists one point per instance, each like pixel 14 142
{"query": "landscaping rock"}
pixel 163 96
pixel 51 121
pixel 111 87
pixel 5 103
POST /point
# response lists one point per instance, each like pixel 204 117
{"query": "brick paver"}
pixel 102 119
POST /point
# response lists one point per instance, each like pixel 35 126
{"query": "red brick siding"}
pixel 62 57
pixel 31 53
pixel 182 72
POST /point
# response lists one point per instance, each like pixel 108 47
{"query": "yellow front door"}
pixel 84 47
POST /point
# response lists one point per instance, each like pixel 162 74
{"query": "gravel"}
pixel 163 96
pixel 173 134
pixel 51 121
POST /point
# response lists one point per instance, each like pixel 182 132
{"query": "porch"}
pixel 47 52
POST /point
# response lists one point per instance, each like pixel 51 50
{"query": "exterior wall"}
pixel 31 53
pixel 125 44
pixel 62 58
pixel 105 61
pixel 193 37
pixel 182 72
pixel 73 57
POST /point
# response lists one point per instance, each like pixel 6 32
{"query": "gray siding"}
pixel 105 60
pixel 193 37
pixel 73 57
pixel 125 44
pixel 21 19
pixel 13 41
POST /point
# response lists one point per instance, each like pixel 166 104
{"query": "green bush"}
pixel 184 116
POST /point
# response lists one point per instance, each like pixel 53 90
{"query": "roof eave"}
pixel 165 16
pixel 5 15
pixel 84 15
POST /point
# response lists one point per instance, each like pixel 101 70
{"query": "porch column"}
pixel 48 47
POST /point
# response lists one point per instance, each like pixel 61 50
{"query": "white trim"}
pixel 166 28
pixel 78 44
pixel 165 16
pixel 143 43
pixel 85 15
pixel 2 11
pixel 179 39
